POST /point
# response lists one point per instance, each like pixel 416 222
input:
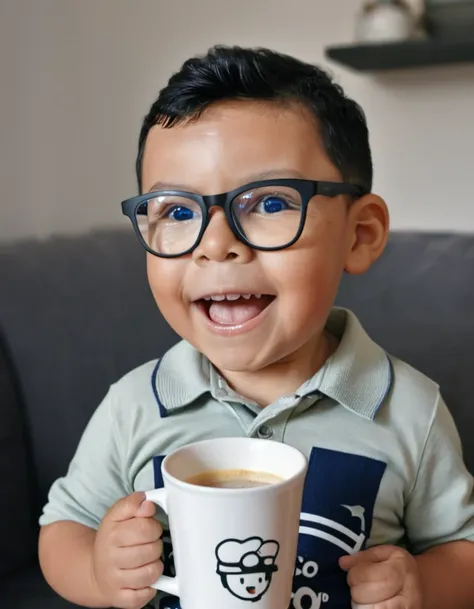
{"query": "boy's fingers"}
pixel 377 594
pixel 382 553
pixel 375 554
pixel 127 508
pixel 136 531
pixel 354 560
pixel 132 557
pixel 141 577
pixel 146 510
pixel 136 598
pixel 369 573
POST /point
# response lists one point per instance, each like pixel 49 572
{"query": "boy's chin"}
pixel 236 359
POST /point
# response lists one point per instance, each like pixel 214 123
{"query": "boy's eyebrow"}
pixel 277 173
pixel 169 186
pixel 266 175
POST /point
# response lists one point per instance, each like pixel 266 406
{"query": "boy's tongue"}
pixel 236 312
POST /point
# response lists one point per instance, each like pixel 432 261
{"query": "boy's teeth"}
pixel 221 297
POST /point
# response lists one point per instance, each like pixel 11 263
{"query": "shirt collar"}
pixel 358 375
pixel 181 377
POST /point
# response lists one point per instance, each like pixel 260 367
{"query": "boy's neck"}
pixel 284 377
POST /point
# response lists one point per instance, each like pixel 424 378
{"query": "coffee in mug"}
pixel 234 478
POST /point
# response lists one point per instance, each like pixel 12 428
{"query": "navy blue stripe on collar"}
pixel 161 406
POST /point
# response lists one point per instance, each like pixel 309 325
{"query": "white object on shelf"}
pixel 385 21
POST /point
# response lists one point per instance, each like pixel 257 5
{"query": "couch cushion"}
pixel 77 314
pixel 17 532
pixel 418 303
pixel 28 590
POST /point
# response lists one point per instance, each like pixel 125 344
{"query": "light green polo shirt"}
pixel 385 467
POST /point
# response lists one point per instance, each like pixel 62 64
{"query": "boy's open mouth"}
pixel 233 309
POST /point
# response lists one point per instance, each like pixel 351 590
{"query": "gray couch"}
pixel 76 314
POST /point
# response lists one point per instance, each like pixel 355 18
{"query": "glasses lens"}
pixel 268 216
pixel 169 224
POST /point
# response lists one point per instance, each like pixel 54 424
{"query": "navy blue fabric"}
pixel 336 519
pixel 169 602
pixel 161 406
pixel 158 476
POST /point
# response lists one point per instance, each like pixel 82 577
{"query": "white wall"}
pixel 76 77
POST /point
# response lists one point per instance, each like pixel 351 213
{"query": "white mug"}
pixel 233 548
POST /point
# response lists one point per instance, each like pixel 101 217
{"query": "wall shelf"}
pixel 402 55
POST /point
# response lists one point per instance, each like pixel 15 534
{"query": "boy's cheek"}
pixel 164 276
pixel 310 276
pixel 165 280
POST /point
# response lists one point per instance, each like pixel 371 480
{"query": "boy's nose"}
pixel 219 243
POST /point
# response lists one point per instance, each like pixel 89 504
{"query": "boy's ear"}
pixel 369 226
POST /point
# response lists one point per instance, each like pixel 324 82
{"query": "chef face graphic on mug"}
pixel 246 567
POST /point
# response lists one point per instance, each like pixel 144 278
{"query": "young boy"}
pixel 248 279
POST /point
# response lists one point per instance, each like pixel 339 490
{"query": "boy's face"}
pixel 230 145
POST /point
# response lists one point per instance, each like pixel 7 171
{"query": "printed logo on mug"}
pixel 246 567
pixel 233 506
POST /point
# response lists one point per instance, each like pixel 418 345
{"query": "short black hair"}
pixel 236 73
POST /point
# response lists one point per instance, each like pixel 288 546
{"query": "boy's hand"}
pixel 127 553
pixel 383 577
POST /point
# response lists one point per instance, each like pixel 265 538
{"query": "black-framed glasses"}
pixel 267 215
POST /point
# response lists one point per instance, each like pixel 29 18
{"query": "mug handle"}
pixel 164 583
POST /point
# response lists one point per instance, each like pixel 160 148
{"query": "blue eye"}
pixel 272 205
pixel 180 214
